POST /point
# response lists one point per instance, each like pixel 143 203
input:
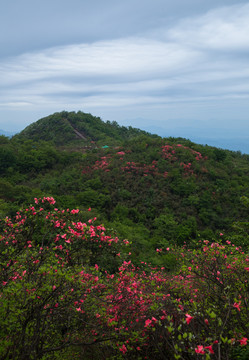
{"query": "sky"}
pixel 175 68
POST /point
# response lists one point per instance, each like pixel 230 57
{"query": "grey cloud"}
pixel 33 25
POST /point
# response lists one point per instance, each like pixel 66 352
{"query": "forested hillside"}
pixel 154 191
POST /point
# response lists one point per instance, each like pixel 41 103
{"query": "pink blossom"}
pixel 123 349
pixel 188 318
pixel 243 341
pixel 74 211
pixel 210 349
pixel 199 350
pixel 147 322
pixel 237 305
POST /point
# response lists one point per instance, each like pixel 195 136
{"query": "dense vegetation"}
pixel 71 285
pixel 154 191
pixel 57 302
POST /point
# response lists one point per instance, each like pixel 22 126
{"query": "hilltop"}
pixel 66 128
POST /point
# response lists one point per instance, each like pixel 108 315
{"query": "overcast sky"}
pixel 178 68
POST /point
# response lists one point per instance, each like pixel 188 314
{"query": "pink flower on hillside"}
pixel 147 323
pixel 237 305
pixel 123 349
pixel 188 318
pixel 243 341
pixel 74 211
pixel 199 350
pixel 210 349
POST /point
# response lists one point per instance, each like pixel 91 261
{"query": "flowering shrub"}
pixel 66 289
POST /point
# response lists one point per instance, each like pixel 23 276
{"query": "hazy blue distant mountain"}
pixel 221 138
pixel 6 133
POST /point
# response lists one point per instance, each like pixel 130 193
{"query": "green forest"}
pixel 120 244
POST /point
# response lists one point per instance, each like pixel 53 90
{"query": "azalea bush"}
pixel 68 290
pixel 211 293
pixel 46 272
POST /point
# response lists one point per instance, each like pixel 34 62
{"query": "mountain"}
pixel 66 128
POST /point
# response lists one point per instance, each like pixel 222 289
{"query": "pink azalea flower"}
pixel 123 349
pixel 243 341
pixel 147 323
pixel 199 350
pixel 210 349
pixel 237 305
pixel 188 318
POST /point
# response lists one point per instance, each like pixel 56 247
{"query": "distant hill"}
pixel 65 128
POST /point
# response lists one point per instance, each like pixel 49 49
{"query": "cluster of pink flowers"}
pixel 187 168
pixel 103 163
pixel 132 167
pixel 174 154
